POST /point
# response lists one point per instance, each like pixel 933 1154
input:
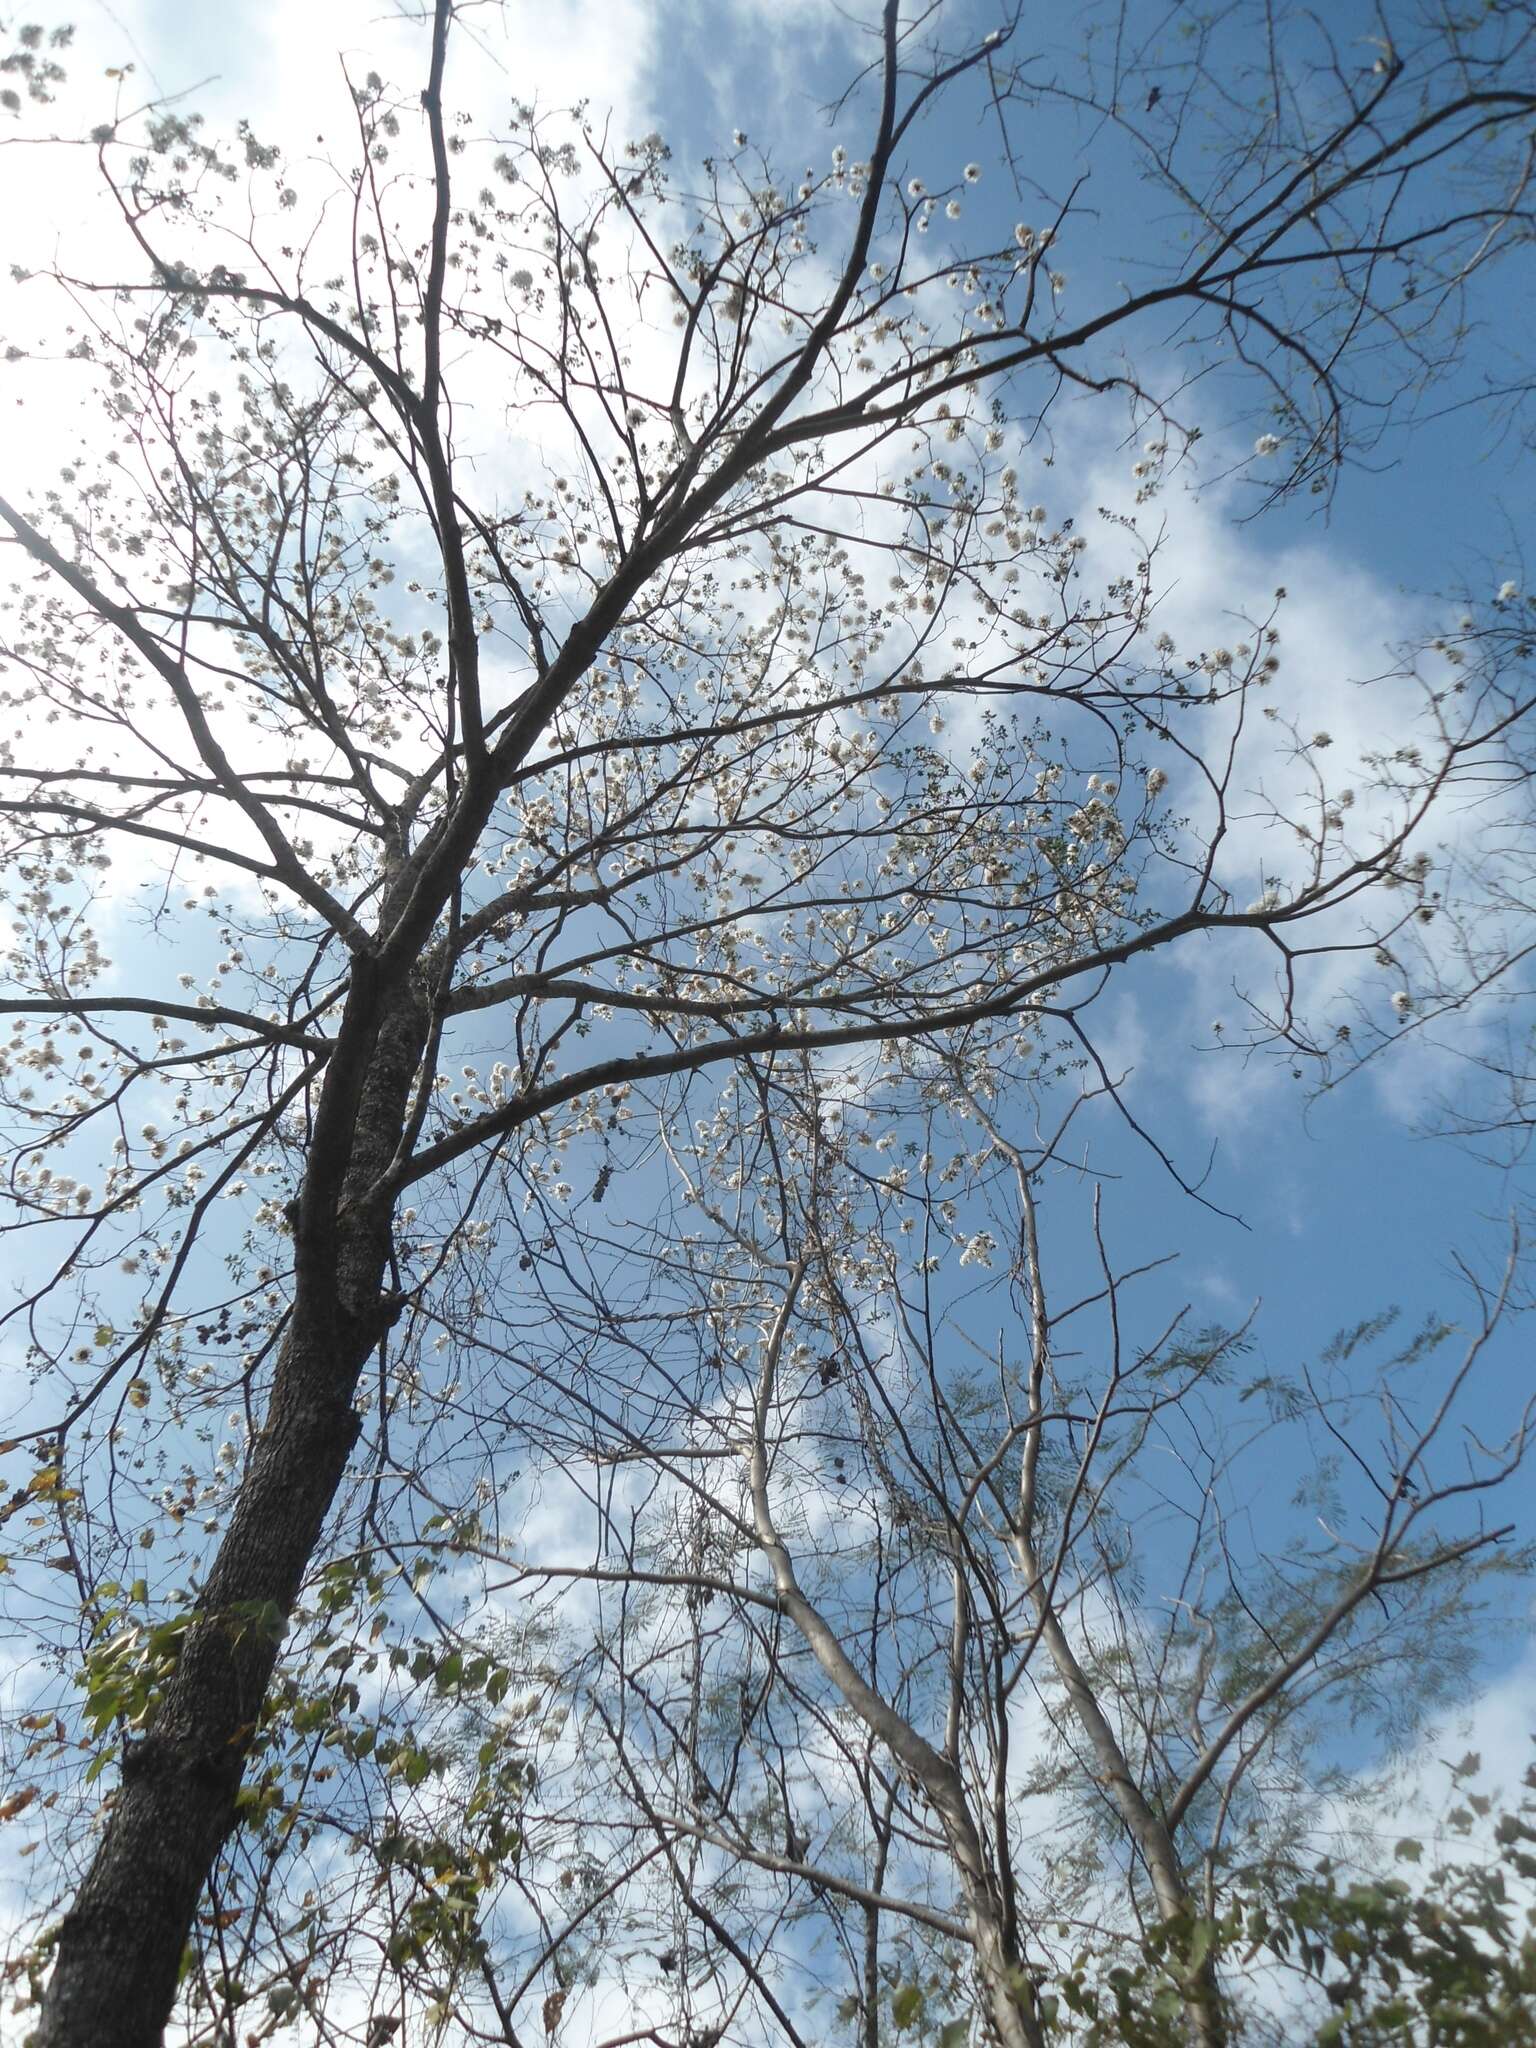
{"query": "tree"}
pixel 592 632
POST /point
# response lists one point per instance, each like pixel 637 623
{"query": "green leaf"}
pixel 1200 1942
pixel 907 2002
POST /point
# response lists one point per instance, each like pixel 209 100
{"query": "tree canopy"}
pixel 585 1460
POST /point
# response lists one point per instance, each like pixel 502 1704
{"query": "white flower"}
pixel 839 157
pixel 1024 236
pixel 739 137
pixel 1157 781
pixel 1402 1002
pixel 1322 739
pixel 979 1249
pixel 1266 444
pixel 915 188
pixel 972 173
pixel 953 209
pixel 877 271
pixel 1507 590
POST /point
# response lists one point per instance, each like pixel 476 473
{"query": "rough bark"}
pixel 120 1946
pixel 119 1949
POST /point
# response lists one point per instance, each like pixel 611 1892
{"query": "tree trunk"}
pixel 1010 2001
pixel 120 1947
pixel 1205 2008
pixel 119 1950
